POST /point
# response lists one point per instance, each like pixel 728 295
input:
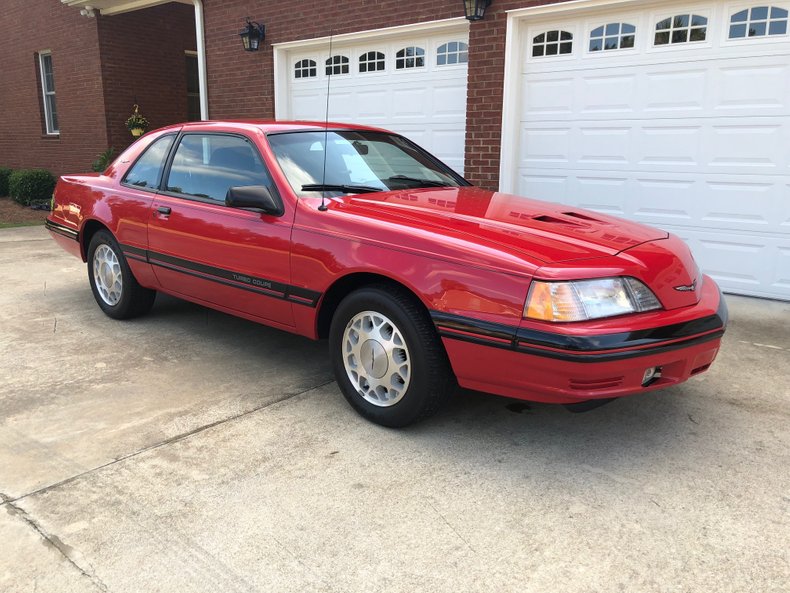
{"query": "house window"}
pixel 410 57
pixel 193 88
pixel 371 61
pixel 612 36
pixel 758 22
pixel 48 92
pixel 454 52
pixel 305 69
pixel 552 43
pixel 683 28
pixel 337 65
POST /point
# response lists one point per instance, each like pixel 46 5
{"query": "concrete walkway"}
pixel 189 451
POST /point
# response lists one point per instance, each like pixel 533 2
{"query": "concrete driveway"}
pixel 192 451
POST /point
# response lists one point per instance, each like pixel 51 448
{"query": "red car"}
pixel 418 280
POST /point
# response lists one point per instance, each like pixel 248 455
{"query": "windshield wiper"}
pixel 349 189
pixel 428 182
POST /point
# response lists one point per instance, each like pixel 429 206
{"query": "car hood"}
pixel 544 231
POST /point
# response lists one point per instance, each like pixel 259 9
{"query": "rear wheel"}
pixel 114 287
pixel 387 358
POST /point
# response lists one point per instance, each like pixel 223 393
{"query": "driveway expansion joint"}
pixel 56 543
pixel 168 441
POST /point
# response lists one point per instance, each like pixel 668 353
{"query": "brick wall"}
pixel 242 84
pixel 100 66
pixel 142 60
pixel 29 27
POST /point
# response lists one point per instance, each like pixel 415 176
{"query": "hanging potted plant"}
pixel 137 124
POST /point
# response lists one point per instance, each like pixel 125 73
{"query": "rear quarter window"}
pixel 147 171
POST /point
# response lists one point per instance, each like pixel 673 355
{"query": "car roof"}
pixel 270 126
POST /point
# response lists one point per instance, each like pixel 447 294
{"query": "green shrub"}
pixel 103 160
pixel 28 186
pixel 5 173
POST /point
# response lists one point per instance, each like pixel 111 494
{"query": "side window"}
pixel 371 61
pixel 207 165
pixel 758 21
pixel 337 65
pixel 305 69
pixel 410 57
pixel 612 36
pixel 682 28
pixel 454 52
pixel 552 43
pixel 48 91
pixel 148 168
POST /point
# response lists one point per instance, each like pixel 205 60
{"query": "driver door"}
pixel 205 251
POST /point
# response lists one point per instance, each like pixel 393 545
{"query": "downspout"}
pixel 201 56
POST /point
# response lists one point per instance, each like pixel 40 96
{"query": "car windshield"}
pixel 356 162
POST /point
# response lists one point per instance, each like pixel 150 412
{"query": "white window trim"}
pixel 48 123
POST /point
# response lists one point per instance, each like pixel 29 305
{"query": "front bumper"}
pixel 569 365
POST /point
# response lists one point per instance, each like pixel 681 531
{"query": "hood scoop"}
pixel 542 230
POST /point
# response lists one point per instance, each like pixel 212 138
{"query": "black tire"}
pixel 430 380
pixel 127 299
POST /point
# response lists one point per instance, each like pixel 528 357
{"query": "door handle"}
pixel 163 209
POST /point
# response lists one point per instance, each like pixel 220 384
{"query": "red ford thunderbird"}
pixel 419 281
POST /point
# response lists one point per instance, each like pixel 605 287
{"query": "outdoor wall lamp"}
pixel 475 9
pixel 252 35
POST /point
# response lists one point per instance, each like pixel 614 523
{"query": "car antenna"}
pixel 323 206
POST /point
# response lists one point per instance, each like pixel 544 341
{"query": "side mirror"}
pixel 253 196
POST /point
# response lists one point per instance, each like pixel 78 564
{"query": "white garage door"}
pixel 412 84
pixel 677 116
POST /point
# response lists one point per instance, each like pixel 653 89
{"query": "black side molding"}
pixel 61 230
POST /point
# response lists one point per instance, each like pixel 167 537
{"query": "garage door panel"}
pixel 729 203
pixel 754 88
pixel 751 146
pixel 675 145
pixel 691 88
pixel 607 94
pixel 549 97
pixel 746 265
pixel 670 91
pixel 449 101
pixel 541 146
pixel 603 145
pixel 739 146
pixel 426 104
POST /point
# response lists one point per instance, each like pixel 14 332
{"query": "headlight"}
pixel 580 300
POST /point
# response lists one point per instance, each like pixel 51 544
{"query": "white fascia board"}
pixel 459 23
pixel 111 7
pixel 570 6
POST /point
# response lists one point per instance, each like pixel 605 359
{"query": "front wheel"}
pixel 387 357
pixel 114 287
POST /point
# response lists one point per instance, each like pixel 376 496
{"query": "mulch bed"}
pixel 12 214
